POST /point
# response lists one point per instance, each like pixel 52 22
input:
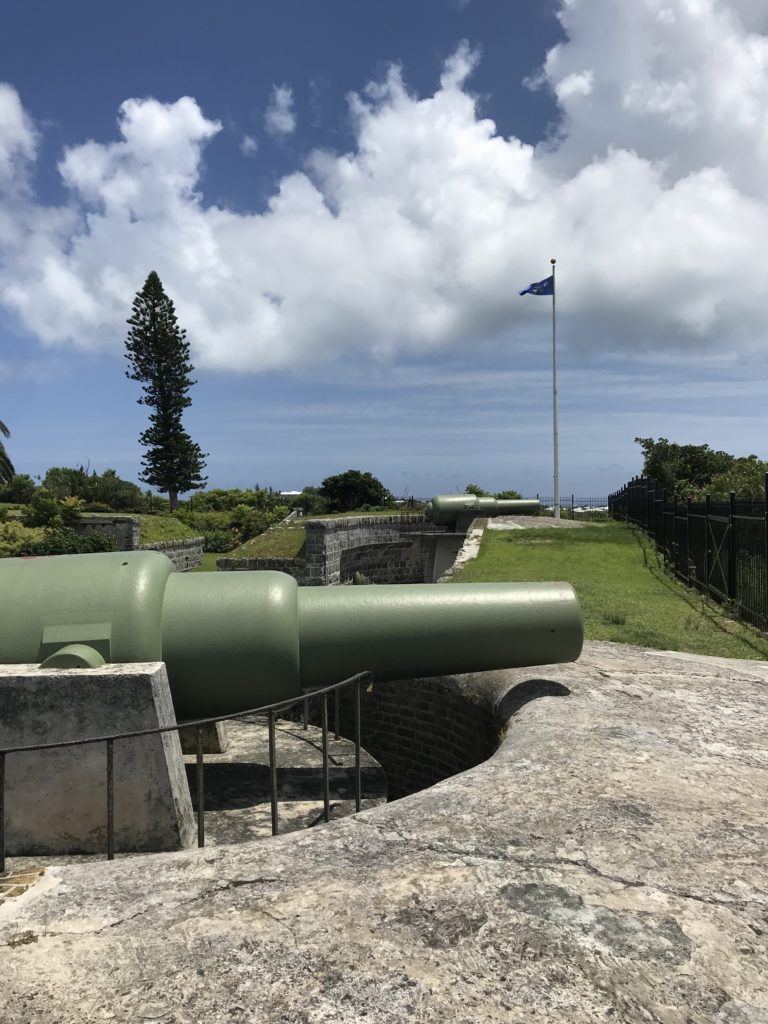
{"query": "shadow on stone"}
pixel 530 689
pixel 233 786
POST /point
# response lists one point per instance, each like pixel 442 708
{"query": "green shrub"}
pixel 62 540
pixel 218 541
pixel 47 510
pixel 19 490
pixel 15 538
pixel 508 495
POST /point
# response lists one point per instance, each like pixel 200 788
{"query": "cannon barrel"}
pixel 233 641
pixel 444 508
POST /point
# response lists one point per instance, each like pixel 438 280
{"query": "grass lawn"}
pixel 209 562
pixel 286 542
pixel 155 528
pixel 625 594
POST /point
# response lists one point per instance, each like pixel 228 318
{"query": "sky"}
pixel 344 198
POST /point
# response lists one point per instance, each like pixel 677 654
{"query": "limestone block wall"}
pixel 185 554
pixel 386 549
pixel 124 530
pixel 295 567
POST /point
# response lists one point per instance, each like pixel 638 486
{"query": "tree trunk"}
pixel 173 498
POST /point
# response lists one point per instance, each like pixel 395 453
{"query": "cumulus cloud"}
pixel 280 118
pixel 249 146
pixel 653 195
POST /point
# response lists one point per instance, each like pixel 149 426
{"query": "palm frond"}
pixel 6 466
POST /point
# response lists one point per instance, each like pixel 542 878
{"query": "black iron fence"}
pixel 269 712
pixel 718 547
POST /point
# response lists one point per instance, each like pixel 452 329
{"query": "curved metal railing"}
pixel 269 710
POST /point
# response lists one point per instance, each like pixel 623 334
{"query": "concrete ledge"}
pixel 55 800
pixel 607 863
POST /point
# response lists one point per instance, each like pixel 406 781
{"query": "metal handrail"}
pixel 270 710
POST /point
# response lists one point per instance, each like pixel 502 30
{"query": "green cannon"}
pixel 232 641
pixel 445 509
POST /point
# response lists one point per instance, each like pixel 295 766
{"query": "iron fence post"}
pixel 2 813
pixel 674 533
pixel 706 544
pixel 358 774
pixel 200 783
pixel 732 546
pixel 326 787
pixel 688 539
pixel 273 771
pixel 110 800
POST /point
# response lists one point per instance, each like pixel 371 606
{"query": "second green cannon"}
pixel 233 641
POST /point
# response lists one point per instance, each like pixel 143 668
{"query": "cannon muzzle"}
pixel 233 641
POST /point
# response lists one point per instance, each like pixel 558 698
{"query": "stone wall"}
pixel 385 549
pixel 295 567
pixel 185 554
pixel 124 530
pixel 421 731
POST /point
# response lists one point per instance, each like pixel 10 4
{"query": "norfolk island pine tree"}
pixel 159 357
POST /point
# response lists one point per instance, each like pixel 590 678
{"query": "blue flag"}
pixel 545 287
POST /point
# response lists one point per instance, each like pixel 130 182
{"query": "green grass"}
pixel 209 562
pixel 155 528
pixel 285 542
pixel 625 594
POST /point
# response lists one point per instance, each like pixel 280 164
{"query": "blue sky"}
pixel 344 198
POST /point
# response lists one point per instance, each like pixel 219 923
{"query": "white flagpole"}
pixel 556 475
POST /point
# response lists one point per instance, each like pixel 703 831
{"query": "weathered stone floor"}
pixel 609 863
pixel 237 794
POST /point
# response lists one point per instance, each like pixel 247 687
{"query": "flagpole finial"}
pixel 553 261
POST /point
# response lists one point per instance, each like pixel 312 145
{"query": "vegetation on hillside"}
pixel 695 470
pixel 354 489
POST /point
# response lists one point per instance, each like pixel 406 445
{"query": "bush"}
pixel 106 490
pixel 477 490
pixel 508 495
pixel 15 539
pixel 47 510
pixel 218 541
pixel 62 540
pixel 352 489
pixel 19 490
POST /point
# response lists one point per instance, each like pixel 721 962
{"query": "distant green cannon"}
pixel 232 641
pixel 445 509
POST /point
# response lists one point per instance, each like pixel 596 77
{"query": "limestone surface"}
pixel 608 863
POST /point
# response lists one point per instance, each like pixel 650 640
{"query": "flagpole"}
pixel 556 475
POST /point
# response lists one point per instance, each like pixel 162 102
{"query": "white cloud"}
pixel 653 197
pixel 280 118
pixel 249 146
pixel 18 138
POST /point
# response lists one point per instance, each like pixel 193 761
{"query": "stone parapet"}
pixel 124 530
pixel 56 800
pixel 385 549
pixel 607 863
pixel 185 554
pixel 295 567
